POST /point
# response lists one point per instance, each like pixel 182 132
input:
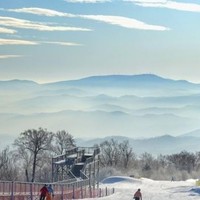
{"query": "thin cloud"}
pixel 114 20
pixel 9 56
pixel 124 22
pixel 63 43
pixel 41 11
pixel 26 42
pixel 16 42
pixel 87 1
pixel 25 24
pixel 6 30
pixel 190 7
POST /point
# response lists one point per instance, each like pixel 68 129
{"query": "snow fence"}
pixel 62 191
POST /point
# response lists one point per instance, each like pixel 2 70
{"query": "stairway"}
pixel 74 164
pixel 76 169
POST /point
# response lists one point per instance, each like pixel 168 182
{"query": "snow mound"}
pixel 116 179
pixel 195 190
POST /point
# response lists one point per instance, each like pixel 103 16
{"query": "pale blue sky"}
pixel 52 40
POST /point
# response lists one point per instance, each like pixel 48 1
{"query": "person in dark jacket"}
pixel 138 195
pixel 43 192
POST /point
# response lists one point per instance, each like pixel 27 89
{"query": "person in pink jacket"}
pixel 138 195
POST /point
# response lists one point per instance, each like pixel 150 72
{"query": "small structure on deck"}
pixel 80 163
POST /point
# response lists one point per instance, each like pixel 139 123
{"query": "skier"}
pixel 50 193
pixel 44 192
pixel 138 195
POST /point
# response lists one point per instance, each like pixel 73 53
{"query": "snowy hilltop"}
pixel 125 187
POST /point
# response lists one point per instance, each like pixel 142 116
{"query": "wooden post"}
pixel 12 190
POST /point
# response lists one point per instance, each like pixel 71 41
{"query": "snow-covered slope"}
pixel 151 190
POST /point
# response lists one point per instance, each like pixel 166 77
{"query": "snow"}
pixel 60 162
pixel 88 154
pixel 72 155
pixel 81 163
pixel 125 187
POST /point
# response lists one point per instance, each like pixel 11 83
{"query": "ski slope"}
pixel 151 190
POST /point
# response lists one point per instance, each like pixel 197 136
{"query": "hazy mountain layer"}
pixel 133 106
pixel 164 145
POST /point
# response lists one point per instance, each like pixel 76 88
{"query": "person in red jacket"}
pixel 43 192
pixel 138 195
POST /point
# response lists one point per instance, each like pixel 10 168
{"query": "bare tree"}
pixel 183 161
pixel 63 141
pixel 197 161
pixel 44 167
pixel 146 162
pixel 36 142
pixel 3 158
pixel 110 154
pixel 126 153
pixel 8 168
pixel 24 159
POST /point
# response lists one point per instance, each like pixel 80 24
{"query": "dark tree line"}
pixel 30 159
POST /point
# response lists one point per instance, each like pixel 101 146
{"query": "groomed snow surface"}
pixel 125 187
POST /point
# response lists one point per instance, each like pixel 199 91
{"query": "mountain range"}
pixel 135 106
pixel 165 144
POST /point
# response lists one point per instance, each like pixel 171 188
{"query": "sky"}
pixel 53 40
pixel 156 190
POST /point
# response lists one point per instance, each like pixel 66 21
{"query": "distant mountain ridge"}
pixel 140 81
pixel 150 78
pixel 195 133
pixel 130 105
pixel 164 145
pixel 123 80
pixel 15 82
